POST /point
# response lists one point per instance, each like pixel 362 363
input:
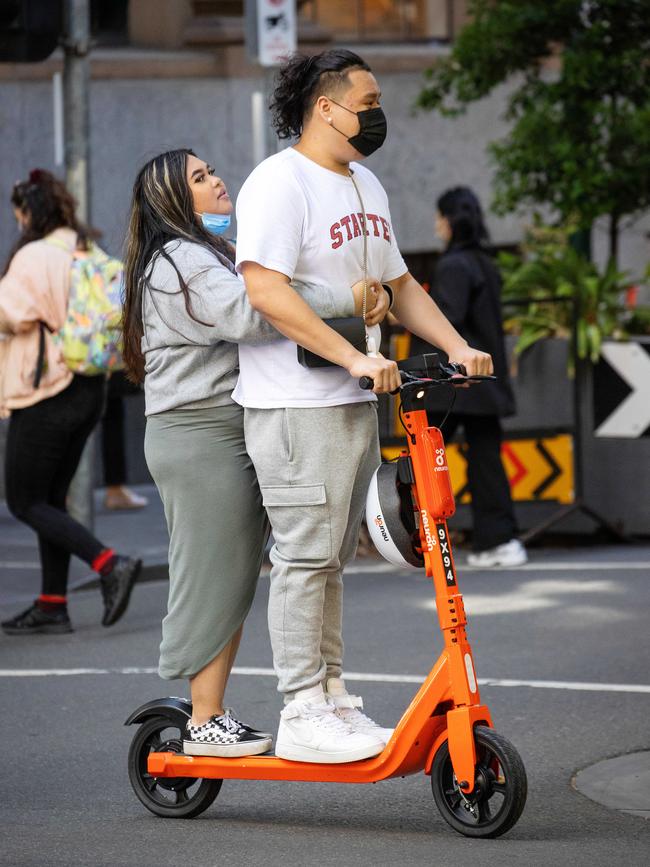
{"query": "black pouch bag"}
pixel 353 328
pixel 350 327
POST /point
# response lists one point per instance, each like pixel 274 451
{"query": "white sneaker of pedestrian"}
pixel 511 553
pixel 310 731
pixel 349 707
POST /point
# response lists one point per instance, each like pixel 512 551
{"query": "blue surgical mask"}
pixel 216 224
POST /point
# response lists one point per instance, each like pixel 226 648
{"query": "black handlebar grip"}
pixel 366 383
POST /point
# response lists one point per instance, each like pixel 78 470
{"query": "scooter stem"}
pixel 433 496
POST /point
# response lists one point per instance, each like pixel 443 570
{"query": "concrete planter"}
pixel 615 469
pixel 542 387
pixel 616 439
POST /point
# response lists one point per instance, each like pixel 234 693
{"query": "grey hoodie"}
pixel 189 364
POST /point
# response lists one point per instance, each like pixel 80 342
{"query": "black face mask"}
pixel 372 129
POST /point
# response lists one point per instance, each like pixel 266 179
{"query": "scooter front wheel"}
pixel 169 797
pixel 499 795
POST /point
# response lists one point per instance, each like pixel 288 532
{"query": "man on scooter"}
pixel 313 213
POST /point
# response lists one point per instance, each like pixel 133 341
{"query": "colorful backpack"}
pixel 91 337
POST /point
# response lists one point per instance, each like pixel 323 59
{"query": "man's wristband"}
pixel 391 297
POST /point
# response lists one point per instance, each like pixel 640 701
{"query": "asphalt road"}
pixel 573 618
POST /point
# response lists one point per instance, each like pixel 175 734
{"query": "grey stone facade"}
pixel 133 118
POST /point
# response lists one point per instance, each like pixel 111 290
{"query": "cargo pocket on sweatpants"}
pixel 299 516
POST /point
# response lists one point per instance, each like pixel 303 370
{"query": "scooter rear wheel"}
pixel 169 797
pixel 499 793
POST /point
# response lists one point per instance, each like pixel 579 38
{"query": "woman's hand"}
pixel 377 300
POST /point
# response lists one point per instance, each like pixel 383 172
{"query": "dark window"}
pixel 109 21
pixel 378 20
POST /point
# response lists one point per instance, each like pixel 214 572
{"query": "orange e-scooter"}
pixel 477 777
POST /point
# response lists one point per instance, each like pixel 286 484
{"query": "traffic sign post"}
pixel 76 89
pixel 271 37
pixel 271 32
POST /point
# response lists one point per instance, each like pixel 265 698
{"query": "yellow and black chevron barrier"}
pixel 538 468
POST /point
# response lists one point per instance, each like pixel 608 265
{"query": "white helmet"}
pixel 391 519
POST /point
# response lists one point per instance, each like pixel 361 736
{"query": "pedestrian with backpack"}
pixel 59 315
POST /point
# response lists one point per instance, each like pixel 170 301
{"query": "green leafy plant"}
pixel 638 321
pixel 550 285
pixel 578 104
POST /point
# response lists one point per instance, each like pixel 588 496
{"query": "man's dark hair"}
pixel 301 80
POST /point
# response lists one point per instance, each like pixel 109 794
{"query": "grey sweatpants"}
pixel 217 530
pixel 314 467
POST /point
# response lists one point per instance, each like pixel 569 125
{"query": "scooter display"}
pixel 478 779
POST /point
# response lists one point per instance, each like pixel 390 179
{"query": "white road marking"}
pixel 536 595
pixel 362 568
pixel 580 566
pixel 538 566
pixel 363 677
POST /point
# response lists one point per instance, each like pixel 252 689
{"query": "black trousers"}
pixel 44 446
pixel 492 510
pixel 113 456
pixel 113 433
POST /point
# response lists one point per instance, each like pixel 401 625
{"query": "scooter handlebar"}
pixel 452 371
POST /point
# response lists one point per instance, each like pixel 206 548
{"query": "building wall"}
pixel 132 119
pixel 134 115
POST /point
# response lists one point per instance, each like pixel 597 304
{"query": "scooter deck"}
pixel 398 759
pixel 409 751
pixel 261 768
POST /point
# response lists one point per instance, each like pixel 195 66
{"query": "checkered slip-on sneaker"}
pixel 223 736
pixel 228 711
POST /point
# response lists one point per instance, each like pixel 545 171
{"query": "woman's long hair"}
pixel 162 210
pixel 48 205
pixel 462 208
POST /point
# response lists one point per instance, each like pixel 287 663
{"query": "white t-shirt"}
pixel 298 218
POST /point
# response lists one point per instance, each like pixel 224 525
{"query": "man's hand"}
pixel 382 371
pixel 416 310
pixel 475 361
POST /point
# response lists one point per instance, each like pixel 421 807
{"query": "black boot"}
pixel 116 588
pixel 34 620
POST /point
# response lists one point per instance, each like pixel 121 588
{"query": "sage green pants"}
pixel 217 530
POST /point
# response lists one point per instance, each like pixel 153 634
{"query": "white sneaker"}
pixel 348 708
pixel 310 731
pixel 512 553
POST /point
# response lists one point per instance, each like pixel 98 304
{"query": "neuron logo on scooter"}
pixel 431 542
pixel 379 522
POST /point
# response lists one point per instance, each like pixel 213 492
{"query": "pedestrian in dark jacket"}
pixel 467 287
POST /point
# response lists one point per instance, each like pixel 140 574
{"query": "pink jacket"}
pixel 34 289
